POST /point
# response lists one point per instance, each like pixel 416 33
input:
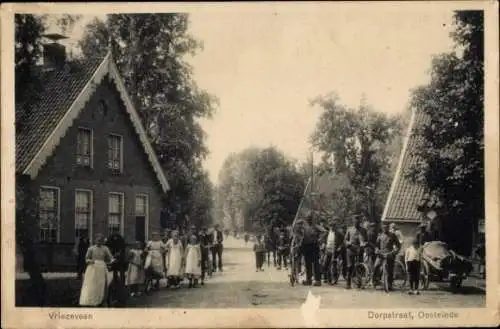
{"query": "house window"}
pixel 115 214
pixel 84 147
pixel 141 217
pixel 115 144
pixel 83 213
pixel 49 214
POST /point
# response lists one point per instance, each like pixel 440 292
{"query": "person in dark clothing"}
pixel 259 249
pixel 204 239
pixel 310 249
pixel 388 245
pixel 355 238
pixel 82 246
pixel 422 235
pixel 217 239
pixel 371 241
pixel 116 244
pixel 283 250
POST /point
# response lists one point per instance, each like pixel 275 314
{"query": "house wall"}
pixel 61 170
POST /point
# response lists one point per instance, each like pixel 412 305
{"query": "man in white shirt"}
pixel 332 249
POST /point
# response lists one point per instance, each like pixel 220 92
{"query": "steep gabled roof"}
pixel 405 195
pixel 66 91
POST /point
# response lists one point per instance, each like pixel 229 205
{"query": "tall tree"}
pixel 452 151
pixel 357 141
pixel 150 51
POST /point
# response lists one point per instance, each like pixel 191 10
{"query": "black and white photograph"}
pixel 302 157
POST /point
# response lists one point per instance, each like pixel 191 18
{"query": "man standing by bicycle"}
pixel 388 247
pixel 333 250
pixel 355 239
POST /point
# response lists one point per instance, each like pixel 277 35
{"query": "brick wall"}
pixel 62 171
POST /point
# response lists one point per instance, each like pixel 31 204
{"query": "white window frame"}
pixel 91 216
pixel 121 152
pixel 122 219
pixel 146 220
pixel 58 224
pixel 91 146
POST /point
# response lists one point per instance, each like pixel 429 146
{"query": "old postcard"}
pixel 206 165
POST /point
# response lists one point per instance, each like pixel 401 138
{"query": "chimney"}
pixel 54 53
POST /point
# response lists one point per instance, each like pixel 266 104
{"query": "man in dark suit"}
pixel 205 242
pixel 217 238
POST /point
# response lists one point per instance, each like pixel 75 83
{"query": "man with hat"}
pixel 355 239
pixel 310 249
pixel 388 245
pixel 204 240
pixel 393 229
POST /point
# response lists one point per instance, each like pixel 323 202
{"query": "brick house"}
pixel 410 204
pixel 84 160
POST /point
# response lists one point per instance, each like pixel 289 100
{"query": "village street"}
pixel 239 286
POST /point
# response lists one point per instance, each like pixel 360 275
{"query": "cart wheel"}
pixel 424 275
pixel 400 275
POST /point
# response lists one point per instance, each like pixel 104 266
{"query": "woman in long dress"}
pixel 174 254
pixel 95 280
pixel 193 261
pixel 135 273
pixel 154 264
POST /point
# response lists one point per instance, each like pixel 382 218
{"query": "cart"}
pixel 441 264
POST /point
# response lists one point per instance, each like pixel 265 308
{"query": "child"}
pixel 135 273
pixel 193 261
pixel 412 260
pixel 154 264
pixel 283 248
pixel 95 280
pixel 260 250
pixel 174 259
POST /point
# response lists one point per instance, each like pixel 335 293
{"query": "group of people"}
pixel 173 256
pixel 318 247
pixel 275 244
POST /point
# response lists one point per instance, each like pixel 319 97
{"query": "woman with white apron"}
pixel 154 264
pixel 95 280
pixel 175 259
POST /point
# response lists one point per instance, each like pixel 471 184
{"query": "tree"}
pixel 452 148
pixel 149 50
pixel 355 143
pixel 28 85
pixel 259 188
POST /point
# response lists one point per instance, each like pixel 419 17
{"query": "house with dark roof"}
pixel 410 204
pixel 405 196
pixel 84 160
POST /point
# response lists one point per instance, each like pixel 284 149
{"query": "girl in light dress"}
pixel 95 280
pixel 193 261
pixel 174 260
pixel 154 264
pixel 135 274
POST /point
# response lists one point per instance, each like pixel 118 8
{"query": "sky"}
pixel 266 66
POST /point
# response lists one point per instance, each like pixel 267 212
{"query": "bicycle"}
pixel 208 261
pixel 380 273
pixel 360 271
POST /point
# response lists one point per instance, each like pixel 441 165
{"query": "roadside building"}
pixel 83 159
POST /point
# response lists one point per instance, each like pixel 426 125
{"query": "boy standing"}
pixel 412 261
pixel 259 249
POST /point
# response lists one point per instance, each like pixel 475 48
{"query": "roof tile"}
pixel 60 90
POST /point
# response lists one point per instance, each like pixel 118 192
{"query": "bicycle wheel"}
pixel 385 278
pixel 361 275
pixel 424 275
pixel 400 275
pixel 334 272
